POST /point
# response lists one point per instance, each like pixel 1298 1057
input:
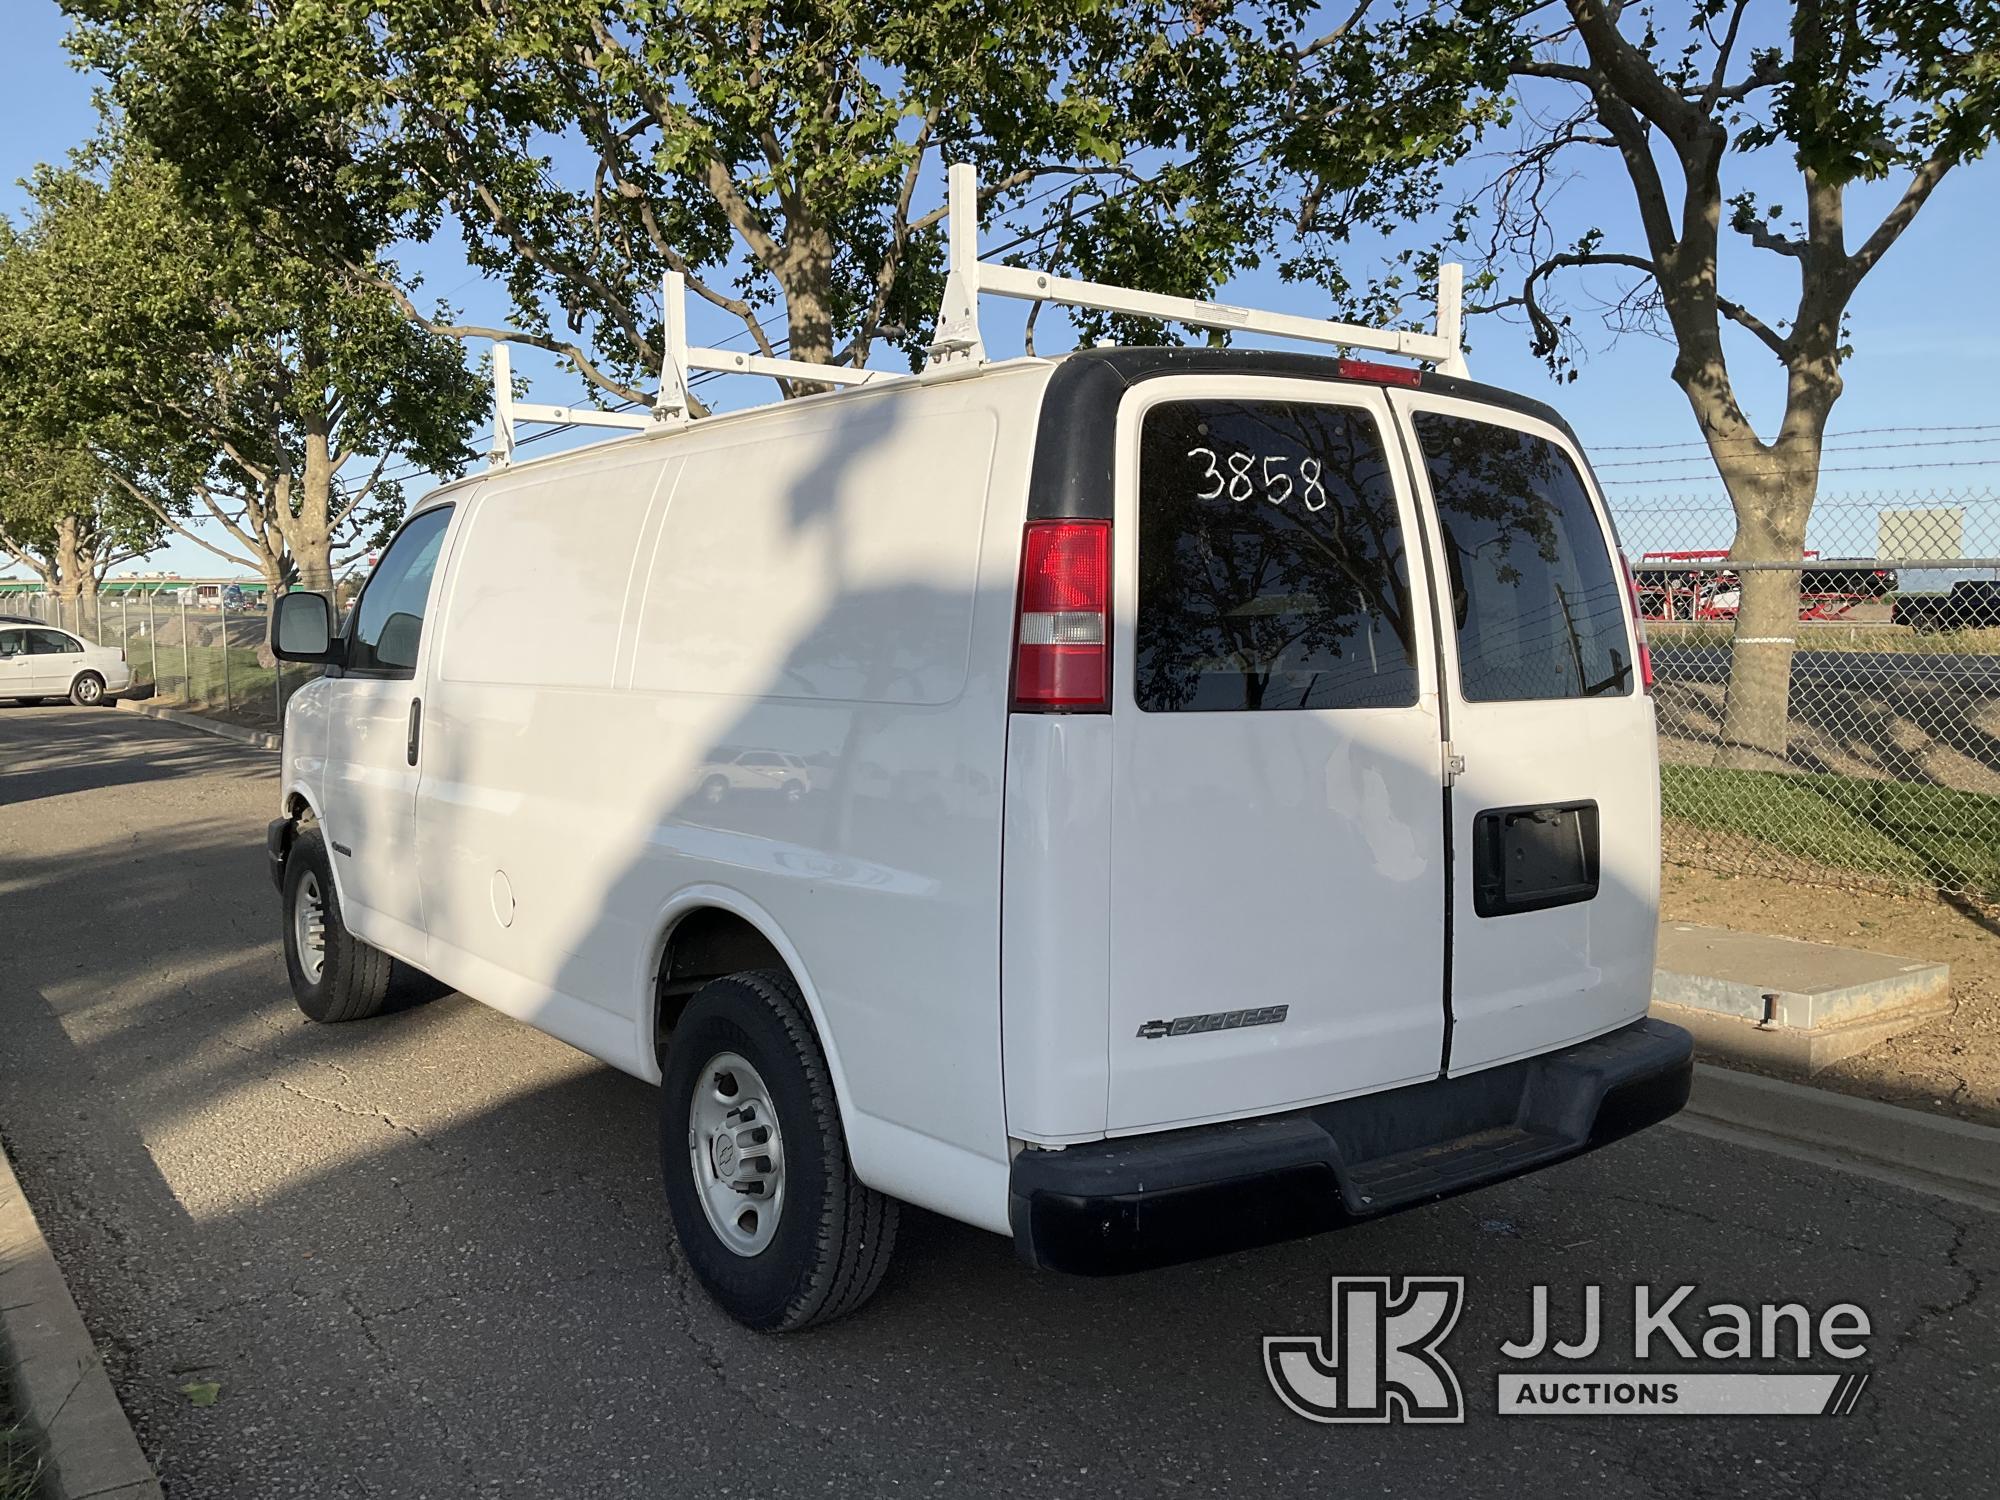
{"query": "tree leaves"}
pixel 769 153
pixel 202 368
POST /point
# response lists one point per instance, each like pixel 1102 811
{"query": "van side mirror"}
pixel 302 630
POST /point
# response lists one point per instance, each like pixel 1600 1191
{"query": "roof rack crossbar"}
pixel 958 339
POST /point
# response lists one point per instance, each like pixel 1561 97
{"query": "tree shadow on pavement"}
pixel 56 752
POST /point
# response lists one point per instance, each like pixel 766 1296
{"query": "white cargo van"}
pixel 1144 803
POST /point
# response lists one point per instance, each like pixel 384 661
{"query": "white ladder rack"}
pixel 957 340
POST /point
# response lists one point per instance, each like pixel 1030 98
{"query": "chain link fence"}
pixel 1891 773
pixel 194 646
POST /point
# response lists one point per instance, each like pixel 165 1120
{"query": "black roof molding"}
pixel 1075 449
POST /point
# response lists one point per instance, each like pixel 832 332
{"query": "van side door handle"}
pixel 416 726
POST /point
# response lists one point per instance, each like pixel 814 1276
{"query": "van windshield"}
pixel 1271 561
pixel 1536 599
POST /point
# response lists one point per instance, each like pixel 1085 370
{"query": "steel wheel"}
pixel 737 1154
pixel 309 926
pixel 87 692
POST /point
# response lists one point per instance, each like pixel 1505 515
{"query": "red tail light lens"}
pixel 1062 633
pixel 1368 369
pixel 1638 627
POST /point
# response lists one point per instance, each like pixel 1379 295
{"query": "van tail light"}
pixel 1638 627
pixel 1379 374
pixel 1062 653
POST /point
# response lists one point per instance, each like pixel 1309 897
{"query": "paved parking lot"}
pixel 425 1255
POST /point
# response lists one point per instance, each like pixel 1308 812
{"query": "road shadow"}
pixel 74 750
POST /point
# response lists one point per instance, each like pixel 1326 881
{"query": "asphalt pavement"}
pixel 426 1255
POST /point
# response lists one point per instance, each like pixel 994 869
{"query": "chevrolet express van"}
pixel 1146 803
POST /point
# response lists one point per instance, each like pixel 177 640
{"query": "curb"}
pixel 1907 1147
pixel 65 1400
pixel 254 737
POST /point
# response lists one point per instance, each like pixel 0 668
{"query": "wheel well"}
pixel 301 814
pixel 705 944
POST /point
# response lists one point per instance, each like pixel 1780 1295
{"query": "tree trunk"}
pixel 310 531
pixel 808 284
pixel 71 571
pixel 1772 499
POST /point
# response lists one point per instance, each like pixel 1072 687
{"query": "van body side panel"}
pixel 769 660
pixel 1560 786
pixel 820 661
pixel 1055 961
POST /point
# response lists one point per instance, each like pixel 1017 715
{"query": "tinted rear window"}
pixel 1271 561
pixel 1535 596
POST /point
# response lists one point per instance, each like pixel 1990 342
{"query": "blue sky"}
pixel 1926 354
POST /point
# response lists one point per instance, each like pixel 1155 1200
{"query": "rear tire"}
pixel 335 976
pixel 87 691
pixel 746 1046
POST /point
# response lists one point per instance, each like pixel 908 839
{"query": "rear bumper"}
pixel 1142 1201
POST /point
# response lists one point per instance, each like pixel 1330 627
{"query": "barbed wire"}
pixel 1753 442
pixel 1663 463
pixel 1969 463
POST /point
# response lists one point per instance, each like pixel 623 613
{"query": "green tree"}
pixel 776 155
pixel 1697 118
pixel 63 516
pixel 247 399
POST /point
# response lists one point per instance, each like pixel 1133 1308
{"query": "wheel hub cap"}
pixel 737 1154
pixel 309 927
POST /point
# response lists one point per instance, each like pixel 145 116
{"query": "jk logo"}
pixel 1380 1362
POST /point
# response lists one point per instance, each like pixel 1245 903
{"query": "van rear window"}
pixel 1536 598
pixel 1271 561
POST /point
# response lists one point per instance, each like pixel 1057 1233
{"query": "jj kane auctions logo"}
pixel 1382 1361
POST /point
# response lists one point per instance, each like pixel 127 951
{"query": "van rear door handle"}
pixel 416 725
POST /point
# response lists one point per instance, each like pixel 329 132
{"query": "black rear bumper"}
pixel 1152 1200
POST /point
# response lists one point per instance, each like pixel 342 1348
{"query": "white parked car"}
pixel 1300 859
pixel 41 661
pixel 755 771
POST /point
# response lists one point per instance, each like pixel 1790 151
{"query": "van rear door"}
pixel 1555 775
pixel 1278 877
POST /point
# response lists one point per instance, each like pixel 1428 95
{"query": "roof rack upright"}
pixel 678 359
pixel 958 341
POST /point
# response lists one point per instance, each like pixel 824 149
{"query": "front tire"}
pixel 335 976
pixel 87 691
pixel 771 1218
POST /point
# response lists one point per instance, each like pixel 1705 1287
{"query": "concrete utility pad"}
pixel 1824 1003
